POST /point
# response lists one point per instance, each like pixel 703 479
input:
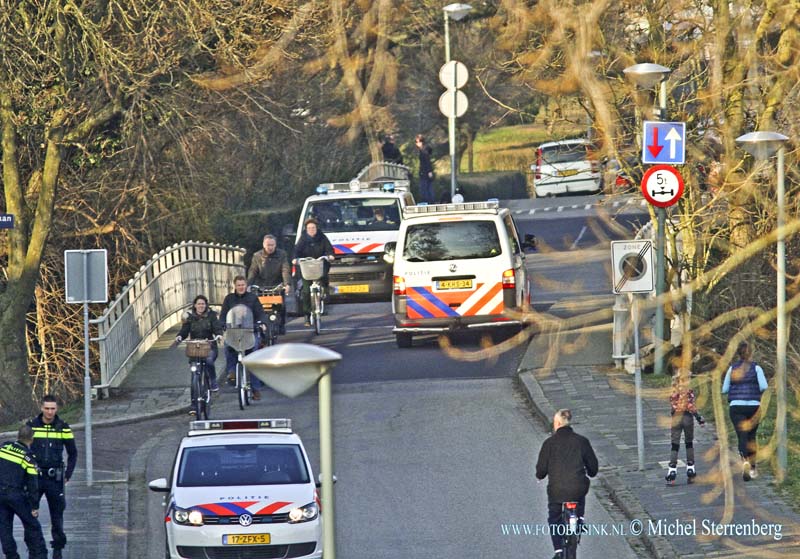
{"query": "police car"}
pixel 241 488
pixel 458 266
pixel 359 217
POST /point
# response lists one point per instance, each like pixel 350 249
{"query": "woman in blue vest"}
pixel 744 383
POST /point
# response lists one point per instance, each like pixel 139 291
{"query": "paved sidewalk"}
pixel 603 404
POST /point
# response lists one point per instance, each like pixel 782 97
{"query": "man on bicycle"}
pixel 241 296
pixel 201 323
pixel 567 458
pixel 270 266
pixel 312 244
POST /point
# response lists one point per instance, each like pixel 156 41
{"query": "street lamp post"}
pixel 456 12
pixel 646 76
pixel 763 145
pixel 291 369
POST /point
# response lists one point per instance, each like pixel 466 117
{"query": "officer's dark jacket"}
pixel 201 326
pixel 18 471
pixel 566 458
pixel 49 443
pixel 248 299
pixel 268 270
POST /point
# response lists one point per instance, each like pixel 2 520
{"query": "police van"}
pixel 458 266
pixel 241 488
pixel 359 217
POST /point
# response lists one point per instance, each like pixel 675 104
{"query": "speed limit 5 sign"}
pixel 662 185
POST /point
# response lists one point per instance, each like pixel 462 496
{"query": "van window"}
pixel 511 231
pixel 355 214
pixel 564 153
pixel 460 240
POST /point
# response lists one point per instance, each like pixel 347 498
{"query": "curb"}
pixel 659 547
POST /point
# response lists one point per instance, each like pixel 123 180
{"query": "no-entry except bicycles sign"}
pixel 662 185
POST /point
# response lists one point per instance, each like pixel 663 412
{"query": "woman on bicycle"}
pixel 312 244
pixel 201 323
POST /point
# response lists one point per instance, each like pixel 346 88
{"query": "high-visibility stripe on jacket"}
pixel 18 470
pixel 50 440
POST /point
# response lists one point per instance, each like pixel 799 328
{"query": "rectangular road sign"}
pixel 6 221
pixel 632 266
pixel 664 142
pixel 86 276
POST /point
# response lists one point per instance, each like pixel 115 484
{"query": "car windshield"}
pixel 355 214
pixel 564 153
pixel 242 464
pixel 453 240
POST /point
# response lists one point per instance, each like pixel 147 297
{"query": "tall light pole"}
pixel 647 76
pixel 763 145
pixel 456 12
pixel 291 369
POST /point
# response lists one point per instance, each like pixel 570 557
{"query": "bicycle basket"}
pixel 198 349
pixel 240 339
pixel 312 269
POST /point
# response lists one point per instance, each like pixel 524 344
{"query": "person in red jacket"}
pixel 684 413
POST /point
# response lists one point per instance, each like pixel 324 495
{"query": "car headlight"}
pixel 193 517
pixel 303 514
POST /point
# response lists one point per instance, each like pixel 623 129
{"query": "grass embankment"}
pixel 766 429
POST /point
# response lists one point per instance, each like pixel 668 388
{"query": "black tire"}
pixel 571 548
pixel 404 339
pixel 242 389
pixel 206 392
pixel 197 400
pixel 317 323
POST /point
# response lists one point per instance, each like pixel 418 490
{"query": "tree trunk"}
pixel 16 402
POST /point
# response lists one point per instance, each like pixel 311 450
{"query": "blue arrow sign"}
pixel 664 142
pixel 6 221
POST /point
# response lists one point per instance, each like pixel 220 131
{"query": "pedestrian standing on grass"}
pixel 744 383
pixel 684 413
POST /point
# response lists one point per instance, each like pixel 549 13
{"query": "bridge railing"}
pixel 385 171
pixel 156 298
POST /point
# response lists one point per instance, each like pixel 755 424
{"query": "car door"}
pixel 517 259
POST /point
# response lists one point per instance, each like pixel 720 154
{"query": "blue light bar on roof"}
pixel 322 189
pixel 388 187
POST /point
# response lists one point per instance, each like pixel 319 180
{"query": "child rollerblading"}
pixel 684 413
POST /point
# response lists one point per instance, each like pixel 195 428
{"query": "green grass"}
pixel 71 413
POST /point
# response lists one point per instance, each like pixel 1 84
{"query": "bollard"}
pixel 621 315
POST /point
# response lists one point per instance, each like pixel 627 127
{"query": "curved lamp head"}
pixel 457 12
pixel 647 75
pixel 291 369
pixel 761 145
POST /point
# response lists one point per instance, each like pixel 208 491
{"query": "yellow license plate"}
pixel 353 288
pixel 245 539
pixel 568 172
pixel 455 284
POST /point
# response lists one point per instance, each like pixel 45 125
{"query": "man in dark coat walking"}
pixel 425 170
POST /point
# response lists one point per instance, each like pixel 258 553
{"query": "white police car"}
pixel 241 489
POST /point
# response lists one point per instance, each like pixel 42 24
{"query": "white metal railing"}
pixel 385 171
pixel 155 298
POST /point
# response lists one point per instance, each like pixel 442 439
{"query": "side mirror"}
pixel 160 485
pixel 319 480
pixel 529 242
pixel 388 252
pixel 289 231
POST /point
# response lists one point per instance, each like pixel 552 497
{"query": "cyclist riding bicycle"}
pixel 241 296
pixel 201 323
pixel 312 244
pixel 270 267
pixel 567 458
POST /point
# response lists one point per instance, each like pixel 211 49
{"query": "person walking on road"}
pixel 683 413
pixel 391 154
pixel 241 296
pixel 744 383
pixel 425 169
pixel 270 267
pixel 19 495
pixel 202 323
pixel 51 437
pixel 566 458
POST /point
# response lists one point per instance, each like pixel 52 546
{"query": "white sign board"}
pixel 453 75
pixel 453 103
pixel 86 276
pixel 632 266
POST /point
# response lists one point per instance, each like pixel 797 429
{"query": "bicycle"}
pixel 241 340
pixel 271 299
pixel 572 532
pixel 313 269
pixel 197 351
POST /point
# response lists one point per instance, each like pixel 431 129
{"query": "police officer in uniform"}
pixel 51 436
pixel 19 494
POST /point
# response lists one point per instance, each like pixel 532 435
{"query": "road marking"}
pixel 587 207
pixel 518 211
pixel 577 240
pixel 643 202
pixel 326 329
pixel 547 209
pixel 575 207
pixel 615 204
pixel 560 209
pixel 533 211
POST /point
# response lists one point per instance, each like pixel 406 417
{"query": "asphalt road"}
pixel 434 452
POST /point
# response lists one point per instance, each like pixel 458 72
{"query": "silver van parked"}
pixel 565 167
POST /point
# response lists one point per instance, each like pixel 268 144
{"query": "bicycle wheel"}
pixel 570 547
pixel 197 405
pixel 206 393
pixel 241 385
pixel 247 389
pixel 317 311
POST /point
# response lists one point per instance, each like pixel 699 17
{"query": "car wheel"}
pixel 404 339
